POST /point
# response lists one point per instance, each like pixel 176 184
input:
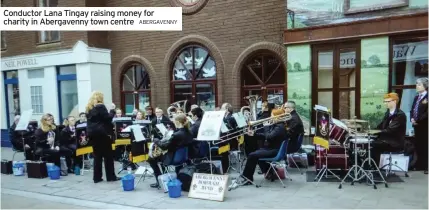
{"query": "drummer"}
pixel 393 129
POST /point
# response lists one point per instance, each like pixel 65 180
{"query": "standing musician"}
pixel 100 132
pixel 47 141
pixel 393 128
pixel 273 140
pixel 149 113
pixel 419 119
pixel 182 137
pixel 294 127
pixel 68 142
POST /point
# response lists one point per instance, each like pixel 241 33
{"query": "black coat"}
pixel 393 128
pixel 294 128
pixel 15 137
pixel 164 120
pixel 422 112
pixel 274 136
pixel 66 137
pixel 230 122
pixel 149 117
pixel 42 139
pixel 182 137
pixel 195 127
pixel 99 121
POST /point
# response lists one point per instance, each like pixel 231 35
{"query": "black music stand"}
pixel 82 141
pixel 122 134
pixel 140 148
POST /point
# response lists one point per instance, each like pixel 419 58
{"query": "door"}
pixel 336 79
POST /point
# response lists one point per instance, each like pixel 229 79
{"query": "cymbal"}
pixel 355 120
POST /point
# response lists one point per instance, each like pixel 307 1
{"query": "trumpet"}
pixel 265 122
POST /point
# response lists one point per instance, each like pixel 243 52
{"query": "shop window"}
pixel 409 60
pixel 36 99
pixel 135 88
pixel 36 74
pixel 47 36
pixel 194 77
pixel 3 40
pixel 11 95
pixel 67 91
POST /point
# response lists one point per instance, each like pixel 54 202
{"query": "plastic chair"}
pixel 281 155
pixel 388 167
pixel 179 159
pixel 203 152
pixel 295 152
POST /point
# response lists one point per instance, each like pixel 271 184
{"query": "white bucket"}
pixel 18 168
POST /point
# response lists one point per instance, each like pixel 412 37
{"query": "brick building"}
pixel 223 47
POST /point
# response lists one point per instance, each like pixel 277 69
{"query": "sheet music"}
pixel 142 122
pixel 223 128
pixel 190 120
pixel 81 125
pixel 210 126
pixel 138 134
pixel 320 108
pixel 130 127
pixel 24 120
pixel 121 119
pixel 239 118
pixel 161 127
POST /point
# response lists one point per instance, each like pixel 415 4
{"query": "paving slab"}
pixel 298 194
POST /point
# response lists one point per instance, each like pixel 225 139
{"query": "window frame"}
pixel 60 78
pixel 37 95
pixel 402 39
pixel 48 33
pixel 6 81
pixel 135 92
pixel 195 80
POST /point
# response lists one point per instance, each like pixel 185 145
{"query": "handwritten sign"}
pixel 208 186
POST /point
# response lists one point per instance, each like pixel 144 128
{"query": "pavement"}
pixel 80 192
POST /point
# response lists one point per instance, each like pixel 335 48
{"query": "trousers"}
pixel 253 160
pixel 103 151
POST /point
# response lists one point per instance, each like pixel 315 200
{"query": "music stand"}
pixel 139 149
pixel 82 141
pixel 122 133
pixel 23 125
pixel 321 139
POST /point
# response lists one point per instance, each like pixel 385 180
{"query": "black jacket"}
pixel 164 120
pixel 195 127
pixel 42 139
pixel 182 137
pixel 230 122
pixel 66 137
pixel 422 112
pixel 150 117
pixel 274 136
pixel 15 137
pixel 294 128
pixel 393 128
pixel 99 121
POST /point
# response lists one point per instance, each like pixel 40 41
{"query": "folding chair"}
pixel 295 152
pixel 281 155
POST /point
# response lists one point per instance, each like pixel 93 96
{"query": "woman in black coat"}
pixel 100 133
pixel 47 141
pixel 182 137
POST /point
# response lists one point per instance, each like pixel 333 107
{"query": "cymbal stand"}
pixel 356 169
pixel 370 161
pixel 324 171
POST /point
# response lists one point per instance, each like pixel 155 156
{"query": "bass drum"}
pixel 410 151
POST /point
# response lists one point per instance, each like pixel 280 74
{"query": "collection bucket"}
pixel 18 168
pixel 128 182
pixel 54 172
pixel 174 188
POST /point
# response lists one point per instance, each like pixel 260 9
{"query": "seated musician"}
pixel 231 124
pixel 17 139
pixel 197 116
pixel 139 115
pixel 161 118
pixel 273 139
pixel 179 111
pixel 393 129
pixel 149 113
pixel 180 138
pixel 118 113
pixel 294 127
pixel 82 118
pixel 252 143
pixel 47 141
pixel 68 142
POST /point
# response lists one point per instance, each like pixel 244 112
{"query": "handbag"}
pixel 6 167
pixel 37 169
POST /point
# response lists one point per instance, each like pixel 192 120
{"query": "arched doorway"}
pixel 264 74
pixel 194 77
pixel 135 92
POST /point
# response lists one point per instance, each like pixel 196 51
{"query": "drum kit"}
pixel 350 143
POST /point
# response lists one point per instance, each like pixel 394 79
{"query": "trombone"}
pixel 265 122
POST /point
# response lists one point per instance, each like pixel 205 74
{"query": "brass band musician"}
pixel 294 127
pixel 273 139
pixel 393 128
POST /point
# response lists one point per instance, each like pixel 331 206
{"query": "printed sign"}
pixel 208 186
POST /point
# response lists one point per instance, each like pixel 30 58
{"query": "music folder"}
pixel 121 123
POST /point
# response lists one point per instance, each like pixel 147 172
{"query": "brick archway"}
pixel 123 67
pixel 276 49
pixel 214 52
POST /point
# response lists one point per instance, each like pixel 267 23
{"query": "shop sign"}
pixel 208 186
pixel 410 51
pixel 20 63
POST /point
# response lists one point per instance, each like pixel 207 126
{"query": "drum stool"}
pixel 388 166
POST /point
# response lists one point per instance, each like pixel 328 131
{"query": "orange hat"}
pixel 393 96
pixel 277 112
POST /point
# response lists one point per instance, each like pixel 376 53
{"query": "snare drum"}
pixel 338 131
